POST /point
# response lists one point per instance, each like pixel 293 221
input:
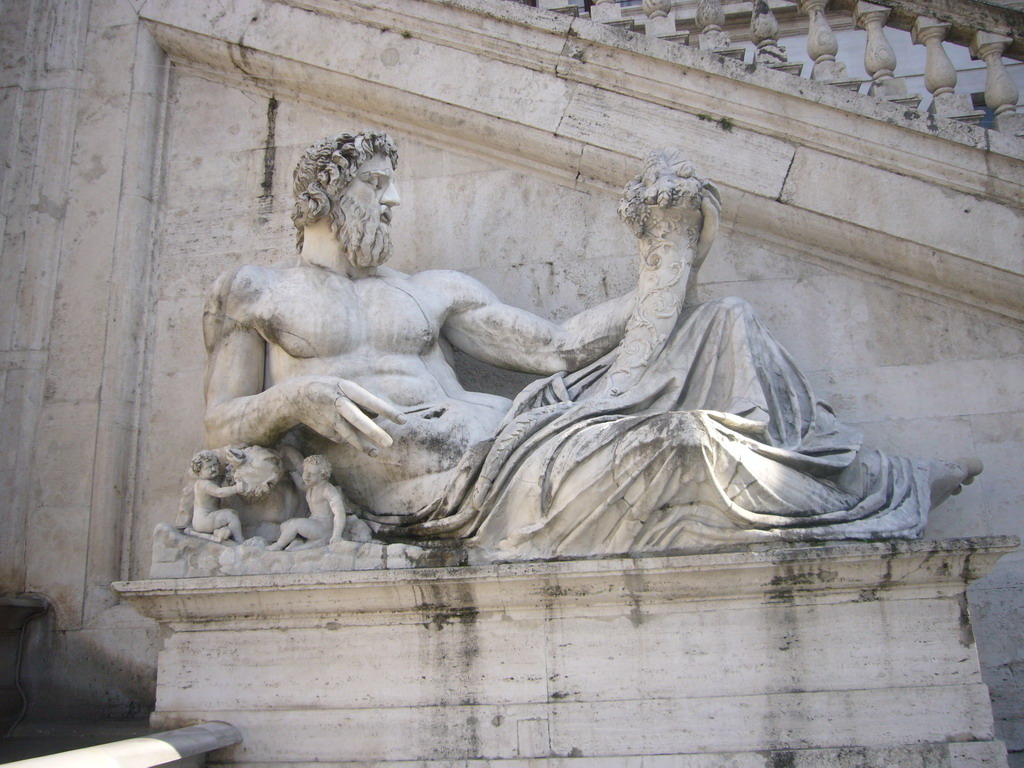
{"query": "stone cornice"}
pixel 835 572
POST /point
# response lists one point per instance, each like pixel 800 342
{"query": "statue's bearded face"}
pixel 361 217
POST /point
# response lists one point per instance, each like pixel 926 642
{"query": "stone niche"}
pixel 848 654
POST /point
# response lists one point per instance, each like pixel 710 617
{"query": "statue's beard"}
pixel 362 232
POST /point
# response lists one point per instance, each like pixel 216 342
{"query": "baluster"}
pixel 940 74
pixel 561 6
pixel 656 8
pixel 608 12
pixel 822 46
pixel 605 11
pixel 1000 91
pixel 764 32
pixel 660 19
pixel 879 57
pixel 709 19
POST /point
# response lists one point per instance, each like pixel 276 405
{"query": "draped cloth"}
pixel 720 441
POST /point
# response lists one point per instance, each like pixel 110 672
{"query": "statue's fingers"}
pixel 712 191
pixel 354 416
pixel 712 213
pixel 353 437
pixel 708 230
pixel 710 205
pixel 371 402
pixel 333 432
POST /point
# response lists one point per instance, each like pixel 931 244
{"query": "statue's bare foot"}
pixel 948 478
pixel 221 534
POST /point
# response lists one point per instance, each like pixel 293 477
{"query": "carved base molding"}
pixel 852 654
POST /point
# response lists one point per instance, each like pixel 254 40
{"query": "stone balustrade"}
pixel 917 71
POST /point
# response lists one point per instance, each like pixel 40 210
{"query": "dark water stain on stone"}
pixel 781 760
pixel 966 630
pixel 450 617
pixel 270 151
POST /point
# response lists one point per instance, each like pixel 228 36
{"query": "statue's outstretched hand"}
pixel 342 411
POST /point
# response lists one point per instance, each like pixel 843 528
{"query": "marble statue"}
pixel 659 424
pixel 263 493
pixel 326 520
pixel 208 518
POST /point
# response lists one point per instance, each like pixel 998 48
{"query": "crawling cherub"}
pixel 326 519
pixel 207 516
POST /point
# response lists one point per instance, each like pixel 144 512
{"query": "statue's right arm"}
pixel 241 410
pixel 238 410
pixel 223 491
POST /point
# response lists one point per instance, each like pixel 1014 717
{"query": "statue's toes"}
pixel 973 466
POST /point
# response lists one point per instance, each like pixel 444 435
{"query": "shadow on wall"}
pixel 476 376
pixel 16 611
pixel 94 673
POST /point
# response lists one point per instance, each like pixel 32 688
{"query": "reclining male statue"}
pixel 661 425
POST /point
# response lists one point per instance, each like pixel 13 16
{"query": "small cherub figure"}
pixel 326 508
pixel 207 516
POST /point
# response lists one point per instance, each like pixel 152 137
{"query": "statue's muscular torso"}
pixel 384 333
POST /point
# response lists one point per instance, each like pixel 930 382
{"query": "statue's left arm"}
pixel 483 327
pixel 674 215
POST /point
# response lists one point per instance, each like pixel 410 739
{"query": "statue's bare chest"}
pixel 321 315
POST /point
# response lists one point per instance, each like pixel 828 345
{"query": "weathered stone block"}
pixel 841 655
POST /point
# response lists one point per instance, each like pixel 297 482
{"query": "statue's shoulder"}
pixel 248 279
pixel 457 287
pixel 240 287
pixel 234 299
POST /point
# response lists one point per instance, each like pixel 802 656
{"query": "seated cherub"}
pixel 207 516
pixel 326 519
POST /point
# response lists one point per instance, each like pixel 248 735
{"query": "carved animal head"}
pixel 256 469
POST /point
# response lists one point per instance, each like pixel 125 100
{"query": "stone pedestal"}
pixel 850 654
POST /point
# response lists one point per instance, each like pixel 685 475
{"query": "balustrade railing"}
pixel 929 31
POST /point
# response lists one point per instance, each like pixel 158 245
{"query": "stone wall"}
pixel 82 90
pixel 882 250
